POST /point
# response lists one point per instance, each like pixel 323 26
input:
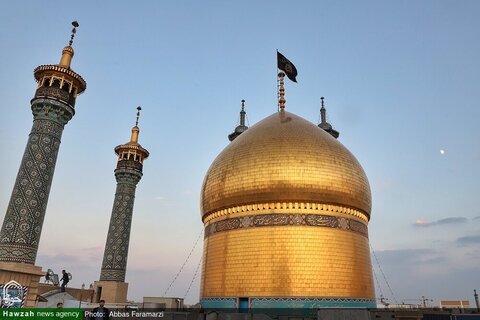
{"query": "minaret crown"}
pixel 132 150
pixel 59 81
pixel 67 52
pixel 136 129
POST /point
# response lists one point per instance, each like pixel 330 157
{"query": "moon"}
pixel 442 151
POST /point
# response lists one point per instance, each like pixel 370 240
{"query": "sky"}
pixel 401 83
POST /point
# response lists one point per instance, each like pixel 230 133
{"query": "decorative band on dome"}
pixel 286 219
pixel 309 206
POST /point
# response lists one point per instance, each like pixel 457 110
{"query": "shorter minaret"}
pixel 240 128
pixel 112 286
pixel 324 124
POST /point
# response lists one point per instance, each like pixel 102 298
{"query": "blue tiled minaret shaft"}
pixel 52 107
pixel 128 173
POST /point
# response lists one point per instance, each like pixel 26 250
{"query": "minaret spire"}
pixel 324 124
pixel 242 114
pixel 74 30
pixel 67 52
pixel 138 115
pixel 323 111
pixel 240 128
pixel 136 129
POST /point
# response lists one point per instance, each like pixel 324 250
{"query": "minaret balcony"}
pixel 55 93
pixel 130 164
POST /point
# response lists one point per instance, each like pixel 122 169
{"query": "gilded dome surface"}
pixel 285 158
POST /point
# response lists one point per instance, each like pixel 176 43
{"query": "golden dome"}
pixel 285 158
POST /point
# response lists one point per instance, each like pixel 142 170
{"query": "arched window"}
pixel 46 82
pixel 66 86
pixel 56 83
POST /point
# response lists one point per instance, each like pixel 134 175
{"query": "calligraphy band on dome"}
pixel 286 219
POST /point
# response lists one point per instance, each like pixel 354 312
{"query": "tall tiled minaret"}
pixel 52 106
pixel 112 286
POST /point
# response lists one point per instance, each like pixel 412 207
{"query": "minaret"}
pixel 52 106
pixel 324 124
pixel 112 286
pixel 240 128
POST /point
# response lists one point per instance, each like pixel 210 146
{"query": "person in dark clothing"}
pixel 64 279
pixel 100 312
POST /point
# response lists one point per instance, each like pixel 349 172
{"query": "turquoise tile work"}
pixel 292 303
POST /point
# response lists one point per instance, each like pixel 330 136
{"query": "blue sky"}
pixel 400 80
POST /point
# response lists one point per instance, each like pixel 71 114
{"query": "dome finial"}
pixel 281 91
pixel 67 52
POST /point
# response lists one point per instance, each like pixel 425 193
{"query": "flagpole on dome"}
pixel 286 68
pixel 278 85
pixel 281 91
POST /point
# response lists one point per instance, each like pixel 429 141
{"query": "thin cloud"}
pixel 469 240
pixel 396 257
pixel 446 221
pixel 476 218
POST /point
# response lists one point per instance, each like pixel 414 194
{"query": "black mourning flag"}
pixel 285 65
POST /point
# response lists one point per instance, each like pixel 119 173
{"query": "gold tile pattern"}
pixel 286 208
pixel 288 261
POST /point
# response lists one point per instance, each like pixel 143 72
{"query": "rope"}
pixel 183 265
pixel 378 282
pixel 193 279
pixel 383 274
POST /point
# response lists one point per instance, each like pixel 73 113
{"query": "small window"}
pixel 46 82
